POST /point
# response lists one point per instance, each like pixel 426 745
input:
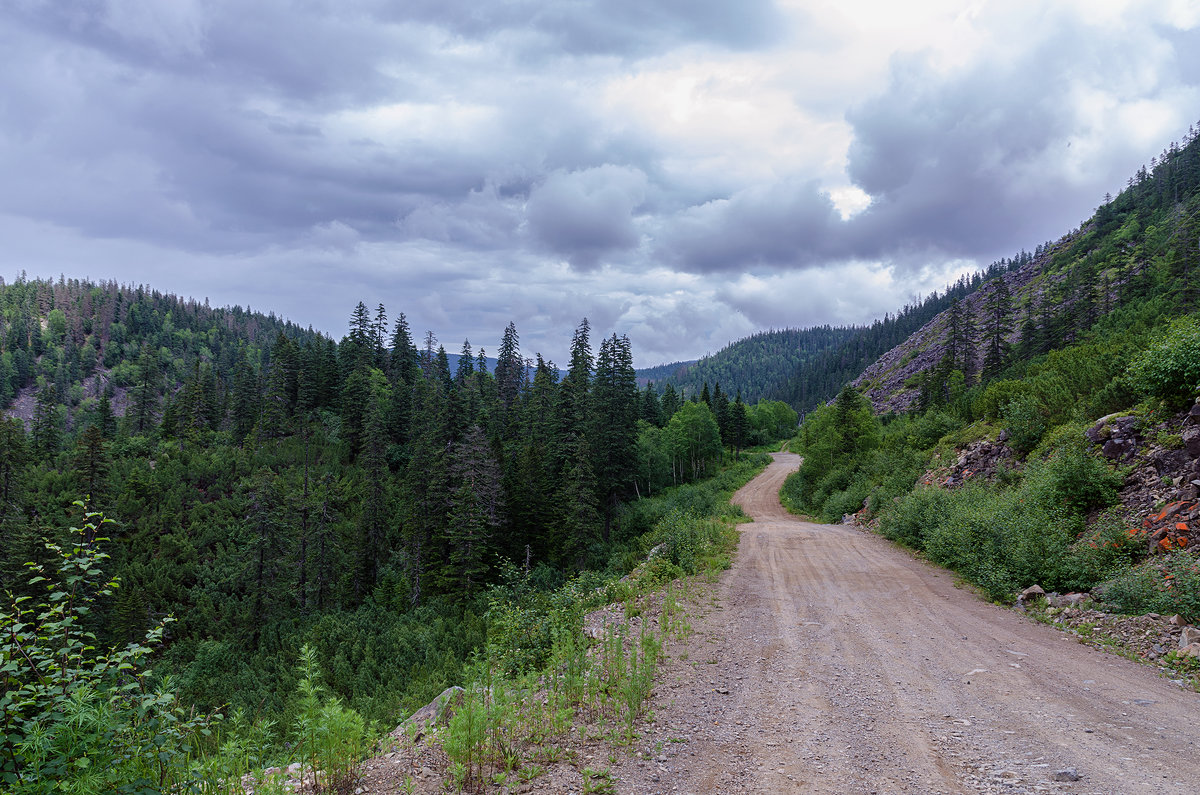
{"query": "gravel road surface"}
pixel 828 661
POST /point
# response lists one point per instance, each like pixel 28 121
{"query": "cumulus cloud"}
pixel 785 223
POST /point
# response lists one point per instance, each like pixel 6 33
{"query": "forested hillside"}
pixel 754 367
pixel 272 486
pixel 815 381
pixel 1046 428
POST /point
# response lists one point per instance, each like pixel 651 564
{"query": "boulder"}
pixel 1191 650
pixel 1103 428
pixel 1189 636
pixel 436 713
pixel 1067 600
pixel 1116 448
pixel 1031 593
pixel 1191 441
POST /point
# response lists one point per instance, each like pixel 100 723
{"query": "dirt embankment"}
pixel 832 662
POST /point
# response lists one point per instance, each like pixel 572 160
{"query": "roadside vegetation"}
pixel 1049 518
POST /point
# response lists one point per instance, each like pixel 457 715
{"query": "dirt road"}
pixel 832 662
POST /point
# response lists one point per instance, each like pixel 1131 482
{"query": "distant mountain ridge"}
pixel 758 366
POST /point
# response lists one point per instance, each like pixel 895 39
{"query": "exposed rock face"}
pixel 978 461
pixel 1162 491
pixel 886 377
pixel 436 713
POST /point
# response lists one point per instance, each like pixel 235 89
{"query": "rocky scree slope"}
pixel 889 382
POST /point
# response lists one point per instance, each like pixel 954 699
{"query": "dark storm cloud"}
pixel 322 54
pixel 207 127
pixel 449 156
pixel 962 167
pixel 790 223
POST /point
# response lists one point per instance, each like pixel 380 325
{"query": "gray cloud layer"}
pixel 470 163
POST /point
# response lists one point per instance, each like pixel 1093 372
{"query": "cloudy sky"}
pixel 682 171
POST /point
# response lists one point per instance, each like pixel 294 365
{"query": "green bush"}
pixel 684 539
pixel 1170 368
pixel 918 510
pixel 1166 584
pixel 998 394
pixel 1071 475
pixel 77 718
pixel 849 500
pixel 1025 422
pixel 1105 551
pixel 1002 541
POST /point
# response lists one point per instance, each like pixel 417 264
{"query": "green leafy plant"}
pixel 75 717
pixel 1170 368
pixel 332 738
pixel 1165 584
pixel 598 781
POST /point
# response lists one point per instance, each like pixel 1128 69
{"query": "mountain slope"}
pixel 1139 246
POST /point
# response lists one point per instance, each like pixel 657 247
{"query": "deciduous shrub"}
pixel 77 718
pixel 1170 368
pixel 1165 584
pixel 1106 550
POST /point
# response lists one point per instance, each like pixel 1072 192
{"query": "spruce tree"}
pixel 574 409
pixel 375 516
pixel 739 425
pixel 404 364
pixel 651 410
pixel 47 428
pixel 245 400
pixel 476 510
pixel 91 465
pixel 264 518
pixel 145 392
pixel 13 455
pixel 509 373
pixel 581 515
pixel 720 409
pixel 998 308
pixel 670 403
pixel 614 429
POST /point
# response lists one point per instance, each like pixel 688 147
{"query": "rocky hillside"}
pixel 891 383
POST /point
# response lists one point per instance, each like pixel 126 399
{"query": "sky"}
pixel 686 172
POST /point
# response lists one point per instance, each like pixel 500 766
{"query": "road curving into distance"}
pixel 833 662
